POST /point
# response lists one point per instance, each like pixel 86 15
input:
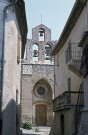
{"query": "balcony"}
pixel 66 100
pixel 73 57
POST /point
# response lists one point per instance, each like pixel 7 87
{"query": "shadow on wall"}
pixel 11 119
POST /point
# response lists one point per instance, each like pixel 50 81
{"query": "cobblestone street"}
pixel 42 131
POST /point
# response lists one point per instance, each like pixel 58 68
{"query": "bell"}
pixel 35 53
pixel 48 57
pixel 41 33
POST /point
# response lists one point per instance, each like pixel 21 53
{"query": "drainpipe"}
pixel 87 15
pixel 54 77
pixel 3 51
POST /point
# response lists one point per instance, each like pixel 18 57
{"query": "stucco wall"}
pixel 1 39
pixel 68 122
pixel 61 71
pixel 61 77
pixel 12 71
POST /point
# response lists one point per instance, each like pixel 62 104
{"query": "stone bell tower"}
pixel 39 47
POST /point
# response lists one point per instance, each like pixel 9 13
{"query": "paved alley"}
pixel 42 131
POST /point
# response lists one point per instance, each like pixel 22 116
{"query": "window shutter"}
pixel 18 50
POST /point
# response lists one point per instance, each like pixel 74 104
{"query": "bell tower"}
pixel 39 47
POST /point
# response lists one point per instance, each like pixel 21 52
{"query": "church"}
pixel 38 78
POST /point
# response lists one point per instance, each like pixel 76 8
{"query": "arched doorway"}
pixel 41 115
pixel 62 124
pixel 42 104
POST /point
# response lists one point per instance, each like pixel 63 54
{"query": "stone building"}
pixel 13 32
pixel 71 75
pixel 38 78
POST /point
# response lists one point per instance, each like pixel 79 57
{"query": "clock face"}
pixel 27 69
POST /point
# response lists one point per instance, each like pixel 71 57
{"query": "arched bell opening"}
pixel 35 51
pixel 41 34
pixel 48 57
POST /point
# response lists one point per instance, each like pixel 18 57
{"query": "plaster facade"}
pixel 57 126
pixel 61 69
pixel 10 108
pixel 38 82
pixel 63 73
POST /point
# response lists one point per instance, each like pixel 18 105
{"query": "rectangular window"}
pixel 57 59
pixel 18 49
pixel 69 84
pixel 69 50
pixel 68 53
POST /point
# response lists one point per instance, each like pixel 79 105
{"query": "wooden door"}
pixel 41 115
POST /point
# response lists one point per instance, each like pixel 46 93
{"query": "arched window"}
pixel 41 34
pixel 35 52
pixel 48 57
pixel 62 124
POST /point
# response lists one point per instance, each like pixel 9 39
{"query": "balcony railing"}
pixel 66 99
pixel 73 52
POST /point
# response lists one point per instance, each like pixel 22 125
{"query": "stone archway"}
pixel 42 104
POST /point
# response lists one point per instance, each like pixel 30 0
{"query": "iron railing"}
pixel 73 52
pixel 80 104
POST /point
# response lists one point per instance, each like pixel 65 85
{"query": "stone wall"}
pixel 35 33
pixel 41 75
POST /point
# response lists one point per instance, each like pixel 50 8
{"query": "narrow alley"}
pixel 43 67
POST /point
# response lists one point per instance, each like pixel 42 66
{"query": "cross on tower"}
pixel 41 18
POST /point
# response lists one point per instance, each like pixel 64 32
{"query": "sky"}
pixel 54 15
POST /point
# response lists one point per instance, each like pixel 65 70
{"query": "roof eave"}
pixel 22 22
pixel 75 13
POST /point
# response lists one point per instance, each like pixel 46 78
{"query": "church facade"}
pixel 38 78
